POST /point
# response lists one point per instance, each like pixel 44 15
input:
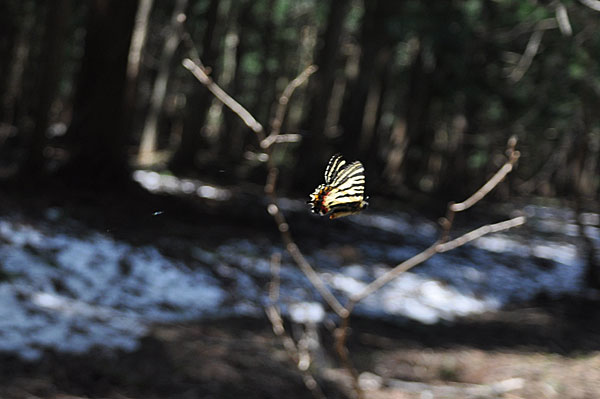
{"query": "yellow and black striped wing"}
pixel 335 165
pixel 348 186
pixel 344 190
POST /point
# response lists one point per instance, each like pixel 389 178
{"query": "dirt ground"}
pixel 547 349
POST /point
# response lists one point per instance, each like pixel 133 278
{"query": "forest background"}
pixel 96 97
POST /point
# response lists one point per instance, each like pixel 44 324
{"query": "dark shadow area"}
pixel 568 326
pixel 241 357
pixel 233 358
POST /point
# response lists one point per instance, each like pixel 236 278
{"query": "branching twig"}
pixel 442 245
pixel 343 312
pixel 301 261
pixel 480 232
pixel 199 72
pixel 526 59
pixel 513 156
pixel 274 316
pixel 341 334
pixel 273 209
pixel 283 103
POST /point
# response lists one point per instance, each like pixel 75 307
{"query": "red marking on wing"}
pixel 319 203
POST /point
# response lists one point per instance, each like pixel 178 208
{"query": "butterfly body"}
pixel 343 191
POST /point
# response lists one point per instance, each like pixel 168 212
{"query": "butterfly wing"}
pixel 344 190
pixel 335 165
pixel 348 186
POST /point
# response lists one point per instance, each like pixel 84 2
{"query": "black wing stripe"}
pixel 335 165
pixel 352 189
pixel 345 185
pixel 356 175
pixel 355 168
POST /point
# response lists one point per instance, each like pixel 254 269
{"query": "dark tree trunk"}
pixel 17 62
pixel 148 141
pixel 313 147
pixel 57 16
pixel 199 100
pixel 235 133
pixel 374 40
pixel 97 135
pixel 418 101
pixel 266 78
pixel 9 29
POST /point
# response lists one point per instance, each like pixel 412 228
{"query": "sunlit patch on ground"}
pixel 74 292
pixel 156 182
pixel 74 289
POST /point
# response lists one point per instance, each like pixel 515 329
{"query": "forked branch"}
pixel 344 312
pixel 199 73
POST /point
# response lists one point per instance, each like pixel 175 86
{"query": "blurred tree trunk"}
pixel 98 132
pixel 408 132
pixel 374 104
pixel 17 63
pixel 199 100
pixel 313 147
pixel 374 40
pixel 9 29
pixel 159 90
pixel 266 78
pixel 134 60
pixel 51 59
pixel 235 133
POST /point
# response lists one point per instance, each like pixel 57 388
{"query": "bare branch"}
pixel 531 50
pixel 392 274
pixel 283 103
pixel 562 17
pixel 480 232
pixel 513 157
pixel 428 253
pixel 274 316
pixel 198 71
pixel 301 261
pixel 438 247
pixel 280 138
pixel 593 4
pixel 341 333
pixel 273 209
pixel 288 138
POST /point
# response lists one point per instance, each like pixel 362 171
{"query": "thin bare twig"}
pixel 593 4
pixel 479 232
pixel 526 59
pixel 562 17
pixel 340 334
pixel 301 261
pixel 274 316
pixel 442 245
pixel 284 138
pixel 198 71
pixel 283 103
pixel 513 157
pixel 390 275
pixel 273 209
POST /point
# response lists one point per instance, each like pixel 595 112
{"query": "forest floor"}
pixel 548 350
pixel 543 348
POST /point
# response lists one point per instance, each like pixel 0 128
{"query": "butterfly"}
pixel 343 193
